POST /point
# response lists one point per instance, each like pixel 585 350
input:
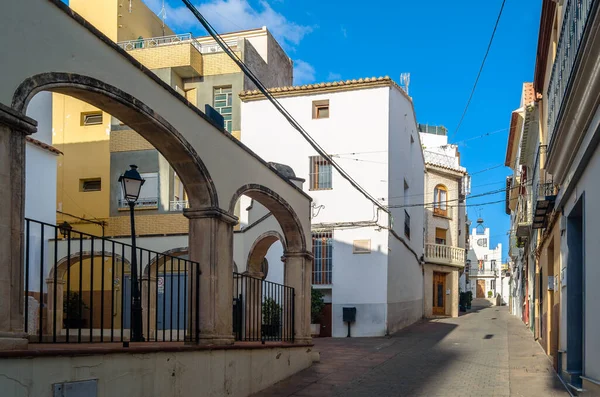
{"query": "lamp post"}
pixel 132 182
pixel 65 229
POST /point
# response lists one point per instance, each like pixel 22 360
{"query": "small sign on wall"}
pixel 563 277
pixel 550 283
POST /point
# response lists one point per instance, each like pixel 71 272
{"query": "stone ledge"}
pixel 72 349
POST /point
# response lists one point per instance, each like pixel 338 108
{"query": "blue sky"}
pixel 440 43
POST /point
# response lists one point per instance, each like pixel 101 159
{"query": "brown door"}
pixel 480 289
pixel 439 293
pixel 326 321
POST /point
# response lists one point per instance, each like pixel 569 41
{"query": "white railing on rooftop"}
pixel 574 21
pixel 185 38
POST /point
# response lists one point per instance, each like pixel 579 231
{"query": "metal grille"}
pixel 320 173
pixel 323 257
pixel 78 288
pixel 223 101
pixel 262 310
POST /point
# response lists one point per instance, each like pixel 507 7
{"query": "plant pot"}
pixel 315 330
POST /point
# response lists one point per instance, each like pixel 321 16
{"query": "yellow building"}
pixel 82 132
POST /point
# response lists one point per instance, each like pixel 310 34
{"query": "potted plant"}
pixel 271 318
pixel 316 308
pixel 490 294
pixel 73 313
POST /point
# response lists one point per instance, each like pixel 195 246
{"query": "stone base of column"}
pixel 303 341
pixel 212 340
pixel 13 341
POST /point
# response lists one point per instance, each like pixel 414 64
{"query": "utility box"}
pixel 349 314
pixel 86 388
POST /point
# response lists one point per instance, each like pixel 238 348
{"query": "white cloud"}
pixel 232 15
pixel 304 73
pixel 334 76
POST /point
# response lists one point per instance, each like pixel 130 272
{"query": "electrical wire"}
pixel 278 105
pixel 480 69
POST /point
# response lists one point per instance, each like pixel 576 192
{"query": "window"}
pixel 90 185
pixel 148 193
pixel 322 252
pixel 493 285
pixel 320 109
pixel 440 236
pixel 493 264
pixel 222 102
pixel 406 224
pixel 482 242
pixel 361 247
pixel 180 200
pixel 320 173
pixel 485 257
pixel 480 264
pixel 91 118
pixel 440 200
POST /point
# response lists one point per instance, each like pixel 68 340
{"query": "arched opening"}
pixel 51 291
pixel 264 258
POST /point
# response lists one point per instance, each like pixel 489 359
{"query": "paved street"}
pixel 486 352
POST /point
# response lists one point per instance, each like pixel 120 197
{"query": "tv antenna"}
pixel 163 15
pixel 405 81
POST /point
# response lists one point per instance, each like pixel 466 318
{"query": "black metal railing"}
pixel 262 310
pixel 78 288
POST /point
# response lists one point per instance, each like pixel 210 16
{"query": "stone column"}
pixel 13 129
pixel 298 272
pixel 55 306
pixel 211 245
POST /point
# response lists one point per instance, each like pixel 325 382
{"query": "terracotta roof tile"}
pixel 43 145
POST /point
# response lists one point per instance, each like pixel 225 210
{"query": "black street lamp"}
pixel 132 183
pixel 65 229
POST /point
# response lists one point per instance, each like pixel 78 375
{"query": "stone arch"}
pixel 259 249
pixel 155 129
pixel 62 264
pixel 174 252
pixel 294 239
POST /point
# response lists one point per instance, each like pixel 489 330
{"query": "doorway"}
pixel 480 293
pixel 326 322
pixel 439 293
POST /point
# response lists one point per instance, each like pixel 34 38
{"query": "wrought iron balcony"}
pixel 544 204
pixel 146 202
pixel 445 255
pixel 178 205
pixel 524 215
pixel 574 22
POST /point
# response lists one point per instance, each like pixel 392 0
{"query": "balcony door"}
pixel 439 293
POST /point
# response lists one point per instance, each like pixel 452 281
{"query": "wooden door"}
pixel 480 289
pixel 326 321
pixel 439 293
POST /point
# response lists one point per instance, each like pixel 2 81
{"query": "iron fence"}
pixel 78 288
pixel 262 310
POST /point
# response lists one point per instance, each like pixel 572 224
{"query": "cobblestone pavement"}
pixel 486 352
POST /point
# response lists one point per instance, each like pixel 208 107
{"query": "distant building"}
pixel 485 275
pixel 364 257
pixel 447 185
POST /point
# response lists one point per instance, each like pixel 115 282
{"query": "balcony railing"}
pixel 185 38
pixel 574 22
pixel 444 255
pixel 146 202
pixel 178 205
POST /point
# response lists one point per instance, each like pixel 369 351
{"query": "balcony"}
pixel 445 255
pixel 180 52
pixel 544 204
pixel 524 216
pixel 574 22
pixel 145 203
pixel 178 205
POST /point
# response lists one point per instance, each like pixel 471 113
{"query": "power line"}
pixel 278 105
pixel 497 191
pixel 480 69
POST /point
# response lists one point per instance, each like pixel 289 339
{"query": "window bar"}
pixel 91 289
pixel 164 312
pixel 112 294
pixel 185 316
pixel 102 296
pixel 28 241
pixel 178 293
pixel 148 311
pixel 80 299
pixel 41 330
pixel 123 292
pixel 197 287
pixel 68 281
pixel 156 299
pixel 55 284
pixel 171 299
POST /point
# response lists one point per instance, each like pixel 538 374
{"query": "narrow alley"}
pixel 485 352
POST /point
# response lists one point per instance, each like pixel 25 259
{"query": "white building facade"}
pixel 486 278
pixel 365 257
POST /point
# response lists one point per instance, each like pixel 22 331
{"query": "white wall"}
pixel 40 186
